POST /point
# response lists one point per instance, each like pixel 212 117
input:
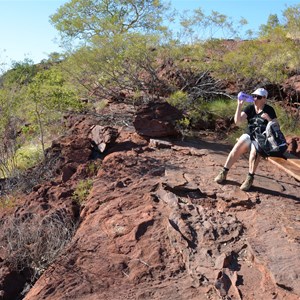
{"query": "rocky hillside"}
pixel 154 224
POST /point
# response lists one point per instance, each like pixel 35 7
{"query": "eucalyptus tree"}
pixel 113 42
pixel 82 20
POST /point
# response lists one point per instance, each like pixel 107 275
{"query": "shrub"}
pixel 211 111
pixel 178 99
pixel 289 121
pixel 222 108
pixel 82 190
pixel 28 156
pixel 35 242
pixel 7 201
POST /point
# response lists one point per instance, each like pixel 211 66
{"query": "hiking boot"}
pixel 221 176
pixel 247 183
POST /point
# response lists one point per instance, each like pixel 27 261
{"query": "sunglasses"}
pixel 258 97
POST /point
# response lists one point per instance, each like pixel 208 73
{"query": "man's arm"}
pixel 239 116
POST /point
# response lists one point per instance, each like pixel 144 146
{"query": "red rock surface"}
pixel 156 226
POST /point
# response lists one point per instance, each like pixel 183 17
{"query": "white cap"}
pixel 261 92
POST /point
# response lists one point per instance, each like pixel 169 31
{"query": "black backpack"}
pixel 270 142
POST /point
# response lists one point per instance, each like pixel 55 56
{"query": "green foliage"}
pixel 292 21
pixel 84 20
pixel 54 57
pixel 48 97
pixel 184 122
pixel 9 103
pixel 222 108
pixel 260 60
pixel 28 156
pixel 208 111
pixel 82 190
pixel 32 100
pixel 187 57
pixel 19 159
pixel 240 62
pixel 113 65
pixel 212 110
pixel 272 23
pixel 50 91
pixel 20 73
pixel 270 59
pixel 289 121
pixel 290 26
pixel 178 99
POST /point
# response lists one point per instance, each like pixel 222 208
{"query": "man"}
pixel 258 114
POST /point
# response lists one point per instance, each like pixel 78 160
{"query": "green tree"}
pixel 85 19
pixel 272 23
pixel 124 63
pixel 48 97
pixel 292 21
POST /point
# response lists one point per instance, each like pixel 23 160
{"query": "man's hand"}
pixel 240 102
pixel 266 117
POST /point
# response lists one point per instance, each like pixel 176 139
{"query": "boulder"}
pixel 157 120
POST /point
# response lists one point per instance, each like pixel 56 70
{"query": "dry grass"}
pixel 33 243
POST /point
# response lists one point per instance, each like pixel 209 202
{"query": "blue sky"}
pixel 25 30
